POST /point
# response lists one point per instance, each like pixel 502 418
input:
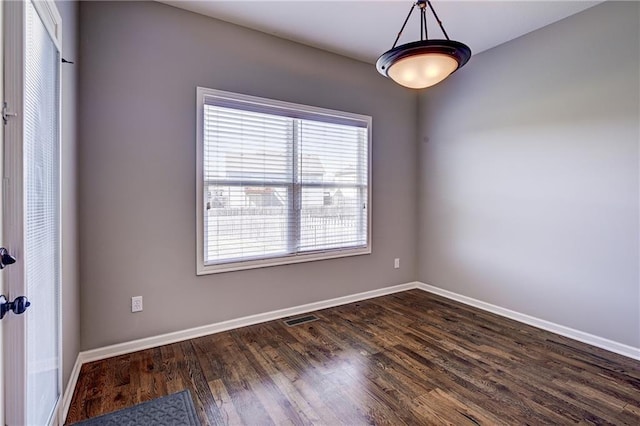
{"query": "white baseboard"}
pixel 178 336
pixel 63 408
pixel 609 345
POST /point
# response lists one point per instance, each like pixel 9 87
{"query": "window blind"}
pixel 41 257
pixel 281 181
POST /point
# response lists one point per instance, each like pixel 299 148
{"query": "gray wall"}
pixel 529 175
pixel 141 63
pixel 70 298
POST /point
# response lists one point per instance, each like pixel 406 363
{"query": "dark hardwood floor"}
pixel 407 358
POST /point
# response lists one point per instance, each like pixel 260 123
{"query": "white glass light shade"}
pixel 422 70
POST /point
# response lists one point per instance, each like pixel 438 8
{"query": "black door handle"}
pixel 5 258
pixel 18 306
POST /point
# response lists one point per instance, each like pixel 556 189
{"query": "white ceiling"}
pixel 364 29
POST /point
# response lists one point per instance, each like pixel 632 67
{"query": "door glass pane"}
pixel 41 186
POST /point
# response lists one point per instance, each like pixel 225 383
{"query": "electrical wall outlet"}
pixel 396 264
pixel 136 304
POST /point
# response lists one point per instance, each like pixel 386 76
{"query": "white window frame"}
pixel 201 267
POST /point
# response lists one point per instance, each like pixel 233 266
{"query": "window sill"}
pixel 278 261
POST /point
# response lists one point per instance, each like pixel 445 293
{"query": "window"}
pixel 279 183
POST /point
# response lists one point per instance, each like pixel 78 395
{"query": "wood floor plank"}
pixel 405 358
pixel 297 387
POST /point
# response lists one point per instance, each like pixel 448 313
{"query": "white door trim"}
pixel 13 226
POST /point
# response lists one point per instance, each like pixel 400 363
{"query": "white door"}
pixel 31 225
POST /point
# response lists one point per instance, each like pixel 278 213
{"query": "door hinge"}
pixel 6 114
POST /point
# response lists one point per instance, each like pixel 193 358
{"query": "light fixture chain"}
pixel 435 15
pixel 404 25
pixel 423 27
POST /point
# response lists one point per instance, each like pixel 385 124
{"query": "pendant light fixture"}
pixel 425 62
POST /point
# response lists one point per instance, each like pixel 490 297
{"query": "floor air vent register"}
pixel 300 320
